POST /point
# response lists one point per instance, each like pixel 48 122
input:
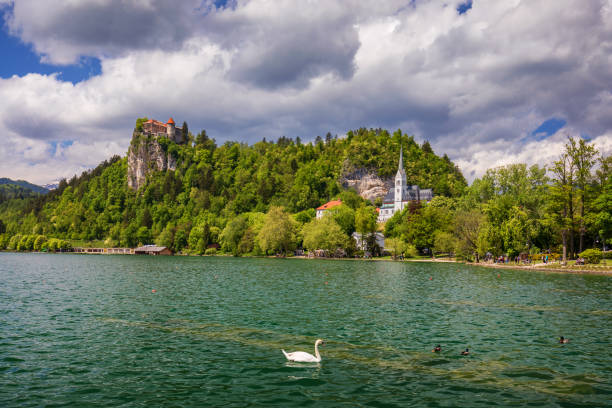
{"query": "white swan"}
pixel 303 357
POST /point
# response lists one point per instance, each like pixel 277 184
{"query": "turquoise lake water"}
pixel 87 330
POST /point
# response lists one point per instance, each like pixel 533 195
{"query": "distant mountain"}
pixel 51 186
pixel 24 184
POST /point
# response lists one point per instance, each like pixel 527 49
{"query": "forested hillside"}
pixel 10 189
pixel 215 186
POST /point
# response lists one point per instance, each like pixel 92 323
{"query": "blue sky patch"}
pixel 63 144
pixel 548 127
pixel 20 59
pixel 464 7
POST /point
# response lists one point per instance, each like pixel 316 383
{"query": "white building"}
pixel 360 243
pixel 401 194
pixel 327 206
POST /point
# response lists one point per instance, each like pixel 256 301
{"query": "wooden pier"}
pixel 105 251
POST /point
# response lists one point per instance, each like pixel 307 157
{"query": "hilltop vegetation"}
pixel 221 194
pixel 260 199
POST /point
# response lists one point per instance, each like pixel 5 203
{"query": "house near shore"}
pixel 401 195
pixel 152 250
pixel 361 244
pixel 327 206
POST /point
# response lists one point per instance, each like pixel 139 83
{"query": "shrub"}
pixel 211 251
pixel 411 251
pixel 4 240
pixel 38 243
pixel 592 256
pixel 14 242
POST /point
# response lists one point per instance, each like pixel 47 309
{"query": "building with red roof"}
pixel 168 129
pixel 329 205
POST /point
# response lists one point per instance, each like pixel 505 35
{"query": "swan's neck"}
pixel 317 355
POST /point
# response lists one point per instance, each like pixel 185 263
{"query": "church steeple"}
pixel 401 162
pixel 401 173
pixel 400 184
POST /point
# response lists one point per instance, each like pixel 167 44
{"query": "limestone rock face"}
pixel 146 156
pixel 366 182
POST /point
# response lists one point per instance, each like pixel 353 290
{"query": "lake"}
pixel 87 330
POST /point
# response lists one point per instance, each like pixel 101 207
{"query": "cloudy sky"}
pixel 487 82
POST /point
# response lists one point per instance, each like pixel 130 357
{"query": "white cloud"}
pixel 475 85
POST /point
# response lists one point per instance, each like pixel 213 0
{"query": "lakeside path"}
pixel 554 268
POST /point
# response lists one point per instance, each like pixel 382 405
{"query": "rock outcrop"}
pixel 146 155
pixel 366 182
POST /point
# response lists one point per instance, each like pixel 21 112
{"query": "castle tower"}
pixel 400 185
pixel 171 129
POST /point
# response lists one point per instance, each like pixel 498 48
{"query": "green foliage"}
pixel 325 234
pixel 443 243
pixel 592 256
pixel 278 233
pixel 232 234
pixel 365 220
pixel 139 123
pixel 396 246
pixel 220 194
pixel 344 217
pixel 305 216
pixel 13 191
pixel 417 223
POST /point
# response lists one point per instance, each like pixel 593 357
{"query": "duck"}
pixel 465 352
pixel 563 340
pixel 303 357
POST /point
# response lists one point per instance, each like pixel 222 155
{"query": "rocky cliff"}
pixel 146 155
pixel 366 182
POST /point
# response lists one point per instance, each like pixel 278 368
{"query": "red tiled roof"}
pixel 170 121
pixel 331 204
pixel 157 122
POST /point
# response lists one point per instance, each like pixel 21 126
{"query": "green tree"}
pixel 601 217
pixel 143 236
pixel 583 158
pixel 467 226
pixel 139 123
pixel 166 238
pixel 344 217
pixel 561 199
pixel 232 234
pixel 129 237
pixel 444 242
pixel 396 245
pixel 305 216
pixel 325 234
pixel 278 233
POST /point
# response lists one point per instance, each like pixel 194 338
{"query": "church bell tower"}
pixel 400 185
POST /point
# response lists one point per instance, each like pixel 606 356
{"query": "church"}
pixel 400 196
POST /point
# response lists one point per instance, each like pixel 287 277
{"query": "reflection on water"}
pixel 89 330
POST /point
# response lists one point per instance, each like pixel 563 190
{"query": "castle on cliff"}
pixel 400 196
pixel 168 129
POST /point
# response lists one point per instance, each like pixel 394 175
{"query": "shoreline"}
pixel 606 271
